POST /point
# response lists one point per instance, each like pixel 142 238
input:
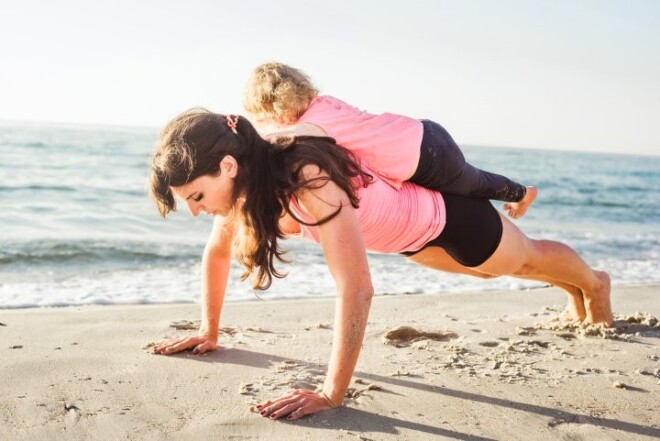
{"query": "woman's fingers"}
pixel 277 406
pixel 269 403
pixel 301 412
pixel 161 346
pixel 203 347
pixel 181 345
pixel 294 405
pixel 177 345
pixel 291 408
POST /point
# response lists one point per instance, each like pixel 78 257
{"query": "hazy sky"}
pixel 555 74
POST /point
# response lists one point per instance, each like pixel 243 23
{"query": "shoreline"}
pixel 265 298
pixel 85 372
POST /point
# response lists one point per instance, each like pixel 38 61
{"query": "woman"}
pixel 259 192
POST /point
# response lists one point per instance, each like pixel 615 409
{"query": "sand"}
pixel 482 366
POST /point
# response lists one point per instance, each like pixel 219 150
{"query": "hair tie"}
pixel 232 122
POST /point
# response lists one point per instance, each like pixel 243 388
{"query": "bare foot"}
pixel 599 310
pixel 575 309
pixel 517 210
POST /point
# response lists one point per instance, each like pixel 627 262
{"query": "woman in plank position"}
pixel 261 192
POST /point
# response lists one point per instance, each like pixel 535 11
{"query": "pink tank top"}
pixel 391 221
pixel 389 144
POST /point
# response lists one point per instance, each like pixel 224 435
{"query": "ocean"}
pixel 77 226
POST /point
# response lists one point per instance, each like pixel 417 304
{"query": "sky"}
pixel 555 74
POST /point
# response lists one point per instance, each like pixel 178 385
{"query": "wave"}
pixel 34 145
pixel 590 202
pixel 35 187
pixel 89 252
pixel 72 189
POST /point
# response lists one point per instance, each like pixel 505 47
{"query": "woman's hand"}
pixel 295 405
pixel 200 345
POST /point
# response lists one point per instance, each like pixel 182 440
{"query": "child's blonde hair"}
pixel 278 92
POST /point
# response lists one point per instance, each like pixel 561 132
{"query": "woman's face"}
pixel 211 194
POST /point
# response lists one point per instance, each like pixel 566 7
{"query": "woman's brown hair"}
pixel 269 174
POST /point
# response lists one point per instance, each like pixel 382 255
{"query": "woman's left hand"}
pixel 295 405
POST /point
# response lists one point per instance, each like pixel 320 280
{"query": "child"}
pixel 395 147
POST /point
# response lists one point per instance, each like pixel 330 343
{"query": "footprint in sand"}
pixel 640 323
pixel 403 336
pixel 526 331
pixel 259 330
pixel 288 365
pixel 247 389
pixel 626 328
pixel 185 325
pixel 191 325
pixel 355 392
pixel 489 344
pixel 72 413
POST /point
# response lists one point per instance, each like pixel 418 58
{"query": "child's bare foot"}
pixel 517 210
pixel 597 302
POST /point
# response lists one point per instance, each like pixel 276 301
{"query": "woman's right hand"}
pixel 200 345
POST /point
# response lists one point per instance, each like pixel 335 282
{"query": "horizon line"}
pixel 115 126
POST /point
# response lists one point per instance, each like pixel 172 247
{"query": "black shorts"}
pixel 442 168
pixel 472 233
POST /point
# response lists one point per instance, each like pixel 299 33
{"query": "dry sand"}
pixel 483 366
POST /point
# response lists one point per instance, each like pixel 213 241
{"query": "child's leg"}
pixel 442 167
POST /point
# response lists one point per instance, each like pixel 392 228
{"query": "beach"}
pixel 491 106
pixel 486 366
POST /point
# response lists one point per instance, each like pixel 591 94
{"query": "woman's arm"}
pixel 347 260
pixel 345 255
pixel 215 274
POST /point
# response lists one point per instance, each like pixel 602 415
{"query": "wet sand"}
pixel 483 366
